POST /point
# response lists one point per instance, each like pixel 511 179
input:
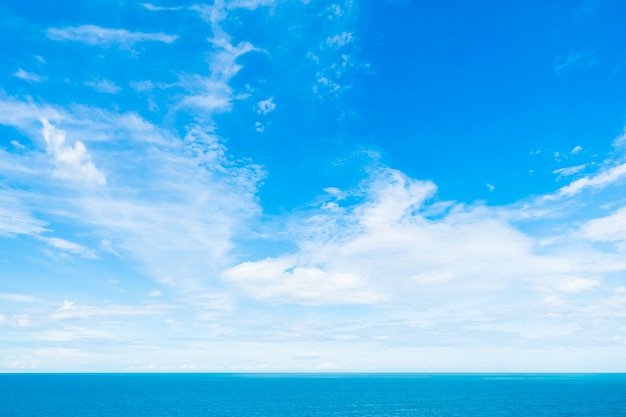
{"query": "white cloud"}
pixel 576 149
pixel 17 145
pixel 335 11
pixel 259 127
pixel 394 247
pixel 68 246
pixel 72 162
pixel 601 180
pixel 151 7
pixel 68 334
pixel 576 60
pixel 146 85
pixel 96 35
pixel 177 211
pixel 266 106
pixel 606 229
pixel 28 76
pixel 70 311
pixel 213 93
pixel 107 246
pixel 173 204
pixel 282 280
pixel 23 364
pixel 20 298
pixel 25 115
pixel 15 219
pixel 104 86
pixel 574 285
pixel 340 40
pixel 567 171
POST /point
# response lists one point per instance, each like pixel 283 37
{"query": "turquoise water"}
pixel 380 395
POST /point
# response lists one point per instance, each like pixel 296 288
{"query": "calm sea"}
pixel 380 395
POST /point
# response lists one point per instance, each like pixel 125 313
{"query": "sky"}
pixel 313 186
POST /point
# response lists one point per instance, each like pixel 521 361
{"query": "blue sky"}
pixel 269 185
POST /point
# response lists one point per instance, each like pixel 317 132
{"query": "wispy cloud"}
pixel 19 298
pixel 28 76
pixel 152 7
pixel 173 210
pixel 576 60
pixel 567 171
pixel 104 86
pixel 213 92
pixel 70 247
pixel 96 35
pixel 600 180
pixel 15 219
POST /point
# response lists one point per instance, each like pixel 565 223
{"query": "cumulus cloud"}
pixel 395 246
pixel 72 162
pixel 282 280
pixel 97 35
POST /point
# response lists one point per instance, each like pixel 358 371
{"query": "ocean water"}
pixel 380 395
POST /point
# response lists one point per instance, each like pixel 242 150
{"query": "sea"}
pixel 380 395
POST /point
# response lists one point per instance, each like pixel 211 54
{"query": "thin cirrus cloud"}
pixel 28 76
pixel 568 171
pixel 97 35
pixel 139 215
pixel 15 219
pixel 602 179
pixel 104 86
pixel 152 7
pixel 213 93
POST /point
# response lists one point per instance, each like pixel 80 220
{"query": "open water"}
pixel 380 395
